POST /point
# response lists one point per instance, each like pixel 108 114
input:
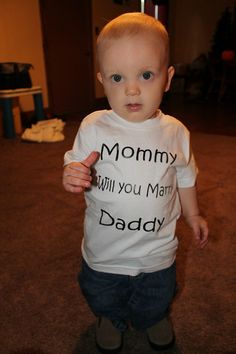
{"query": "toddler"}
pixel 137 171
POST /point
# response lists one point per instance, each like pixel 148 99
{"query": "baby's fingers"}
pixel 203 238
pixel 73 189
pixel 201 235
pixel 76 178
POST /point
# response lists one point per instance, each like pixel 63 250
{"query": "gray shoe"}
pixel 161 335
pixel 108 338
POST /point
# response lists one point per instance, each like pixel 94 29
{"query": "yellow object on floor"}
pixel 50 130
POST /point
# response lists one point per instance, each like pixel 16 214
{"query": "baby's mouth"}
pixel 134 107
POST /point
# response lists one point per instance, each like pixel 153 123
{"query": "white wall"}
pixel 21 41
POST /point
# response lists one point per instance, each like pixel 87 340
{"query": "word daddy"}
pixel 128 152
pixel 106 219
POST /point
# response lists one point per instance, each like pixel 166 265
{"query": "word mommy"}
pixel 128 152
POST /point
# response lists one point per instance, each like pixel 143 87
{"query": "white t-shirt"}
pixel 132 210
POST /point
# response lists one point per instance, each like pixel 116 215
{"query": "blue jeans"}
pixel 143 299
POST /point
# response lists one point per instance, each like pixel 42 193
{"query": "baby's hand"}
pixel 77 175
pixel 200 229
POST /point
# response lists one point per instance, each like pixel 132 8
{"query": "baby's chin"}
pixel 134 113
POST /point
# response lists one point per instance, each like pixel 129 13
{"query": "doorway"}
pixel 67 38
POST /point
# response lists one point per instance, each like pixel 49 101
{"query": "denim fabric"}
pixel 142 300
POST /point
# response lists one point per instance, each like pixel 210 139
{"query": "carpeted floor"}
pixel 41 308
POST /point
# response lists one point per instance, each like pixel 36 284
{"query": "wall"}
pixel 191 26
pixel 21 41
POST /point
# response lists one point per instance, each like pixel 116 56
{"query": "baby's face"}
pixel 135 75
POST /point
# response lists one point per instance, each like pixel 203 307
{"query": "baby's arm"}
pixel 190 210
pixel 77 175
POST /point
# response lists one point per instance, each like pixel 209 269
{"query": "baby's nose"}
pixel 132 89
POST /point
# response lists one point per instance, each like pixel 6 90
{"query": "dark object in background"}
pixel 198 78
pixel 15 75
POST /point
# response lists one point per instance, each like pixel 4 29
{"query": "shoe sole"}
pixel 111 351
pixel 163 346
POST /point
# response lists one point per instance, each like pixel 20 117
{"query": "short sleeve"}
pixel 187 174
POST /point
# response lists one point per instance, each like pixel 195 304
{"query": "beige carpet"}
pixel 41 307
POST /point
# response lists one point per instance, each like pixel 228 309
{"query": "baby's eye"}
pixel 147 75
pixel 116 78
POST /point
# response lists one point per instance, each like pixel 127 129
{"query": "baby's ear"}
pixel 171 71
pixel 99 77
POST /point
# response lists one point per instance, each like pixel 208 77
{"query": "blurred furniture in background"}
pixel 223 78
pixel 192 79
pixel 206 78
pixel 7 101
